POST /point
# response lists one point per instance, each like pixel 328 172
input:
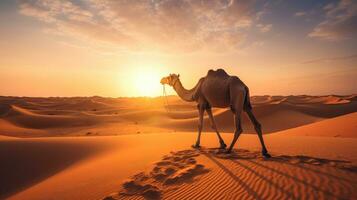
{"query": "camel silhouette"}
pixel 218 89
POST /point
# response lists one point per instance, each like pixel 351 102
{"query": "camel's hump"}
pixel 217 73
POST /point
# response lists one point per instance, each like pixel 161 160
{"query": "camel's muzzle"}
pixel 163 81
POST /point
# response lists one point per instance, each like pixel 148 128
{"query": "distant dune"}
pixel 56 116
pixel 342 126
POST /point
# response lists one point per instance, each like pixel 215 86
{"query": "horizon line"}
pixel 153 97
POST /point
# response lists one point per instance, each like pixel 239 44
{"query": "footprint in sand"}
pixel 241 169
pixel 173 170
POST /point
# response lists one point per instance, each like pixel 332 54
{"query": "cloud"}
pixel 51 11
pixel 329 59
pixel 300 14
pixel 143 25
pixel 266 9
pixel 340 22
pixel 264 27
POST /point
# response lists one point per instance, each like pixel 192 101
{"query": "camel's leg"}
pixel 238 131
pixel 237 105
pixel 258 129
pixel 214 127
pixel 201 111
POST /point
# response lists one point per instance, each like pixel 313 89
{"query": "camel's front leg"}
pixel 201 111
pixel 214 127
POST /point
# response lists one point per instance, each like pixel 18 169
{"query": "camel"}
pixel 218 89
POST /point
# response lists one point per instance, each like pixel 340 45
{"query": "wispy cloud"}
pixel 329 59
pixel 171 25
pixel 340 21
pixel 300 14
pixel 264 27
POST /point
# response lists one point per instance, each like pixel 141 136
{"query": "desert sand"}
pixel 78 116
pixel 131 148
pixel 342 126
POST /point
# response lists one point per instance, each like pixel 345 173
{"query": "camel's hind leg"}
pixel 237 99
pixel 214 127
pixel 258 129
pixel 201 111
pixel 238 131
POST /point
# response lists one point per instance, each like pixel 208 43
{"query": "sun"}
pixel 140 77
pixel 146 82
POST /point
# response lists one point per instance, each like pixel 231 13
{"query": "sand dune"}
pixel 27 119
pixel 78 115
pixel 271 119
pixel 343 126
pixel 13 130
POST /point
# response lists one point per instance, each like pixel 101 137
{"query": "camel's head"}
pixel 170 80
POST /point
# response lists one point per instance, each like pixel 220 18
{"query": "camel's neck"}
pixel 186 95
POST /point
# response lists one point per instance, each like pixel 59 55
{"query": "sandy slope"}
pixel 27 162
pixel 103 164
pixel 208 174
pixel 343 126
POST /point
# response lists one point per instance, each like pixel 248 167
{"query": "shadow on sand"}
pixel 293 177
pixel 26 163
pixel 242 174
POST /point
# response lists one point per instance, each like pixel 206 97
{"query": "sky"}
pixel 117 48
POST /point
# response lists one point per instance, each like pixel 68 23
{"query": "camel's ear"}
pixel 178 75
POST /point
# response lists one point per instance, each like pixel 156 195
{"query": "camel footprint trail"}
pixel 173 170
pixel 244 174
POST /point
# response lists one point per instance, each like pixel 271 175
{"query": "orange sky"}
pixel 118 48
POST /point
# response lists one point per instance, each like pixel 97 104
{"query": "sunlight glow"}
pixel 148 84
pixel 146 81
